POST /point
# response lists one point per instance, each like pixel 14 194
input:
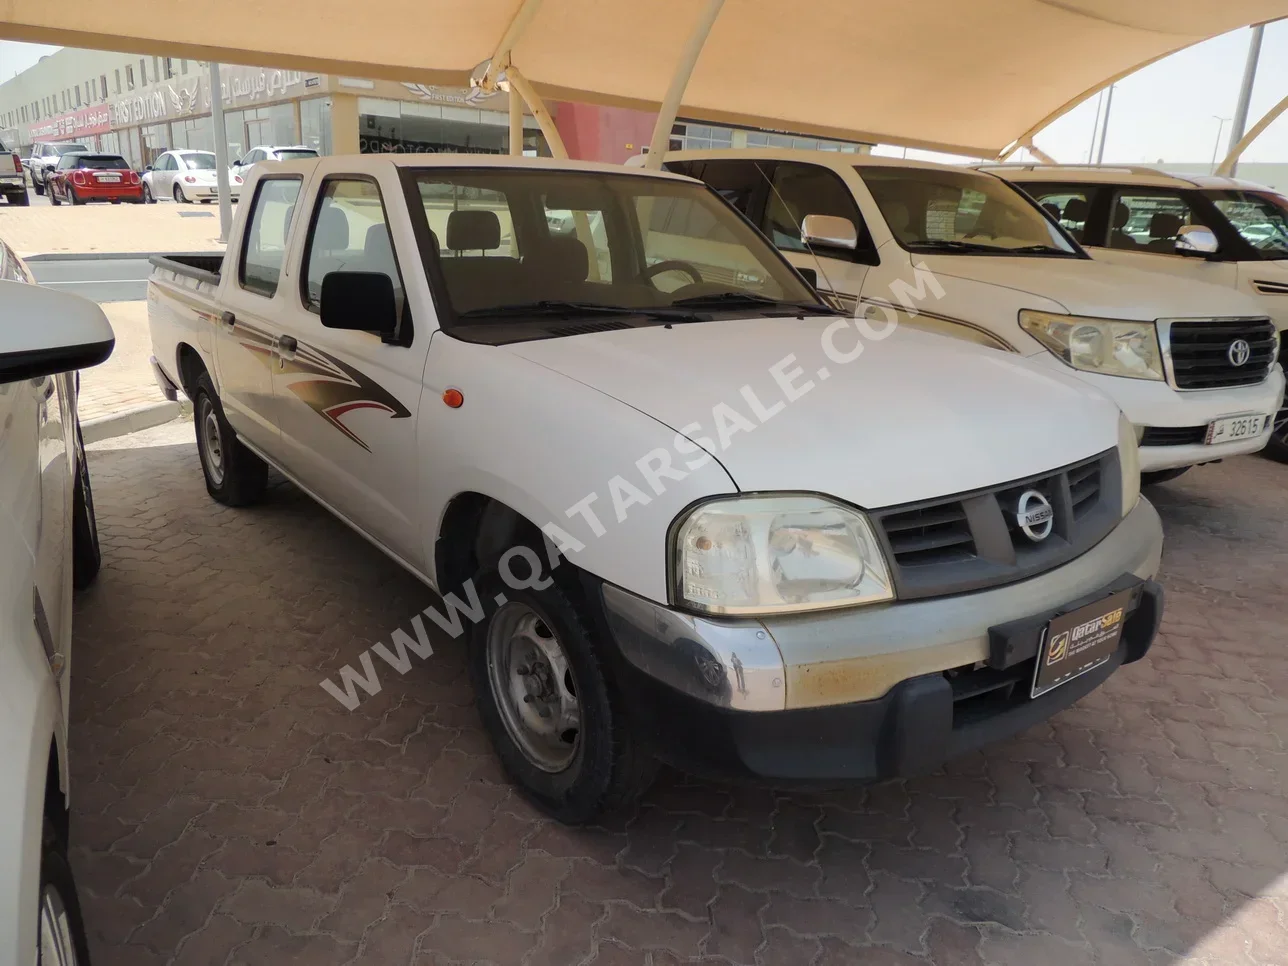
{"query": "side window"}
pixel 806 189
pixel 735 181
pixel 350 233
pixel 264 246
pixel 1070 205
pixel 1149 221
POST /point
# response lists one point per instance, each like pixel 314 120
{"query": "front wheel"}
pixel 1277 445
pixel 39 186
pixel 87 556
pixel 60 935
pixel 234 475
pixel 53 197
pixel 1162 476
pixel 179 197
pixel 548 706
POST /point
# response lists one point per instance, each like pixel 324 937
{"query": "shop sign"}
pixel 166 102
pixel 246 85
pixel 473 96
pixel 86 121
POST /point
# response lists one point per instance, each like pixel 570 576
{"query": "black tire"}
pixel 234 475
pixel 608 769
pixel 22 200
pixel 38 185
pixel 147 195
pixel 179 197
pixel 1277 446
pixel 1162 476
pixel 87 556
pixel 73 197
pixel 61 929
pixel 53 198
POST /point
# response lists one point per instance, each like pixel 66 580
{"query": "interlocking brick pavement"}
pixel 226 810
pixel 125 380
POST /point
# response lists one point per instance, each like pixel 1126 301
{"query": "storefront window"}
pixel 128 147
pixel 315 124
pixel 403 127
pixel 156 141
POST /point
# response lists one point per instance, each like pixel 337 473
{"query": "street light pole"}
pixel 1245 91
pixel 1104 124
pixel 1217 146
pixel 221 153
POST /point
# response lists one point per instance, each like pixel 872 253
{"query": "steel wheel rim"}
pixel 57 944
pixel 534 687
pixel 212 442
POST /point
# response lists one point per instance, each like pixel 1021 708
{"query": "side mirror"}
pixel 73 333
pixel 829 231
pixel 364 301
pixel 1196 240
pixel 147 167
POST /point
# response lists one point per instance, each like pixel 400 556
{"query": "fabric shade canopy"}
pixel 968 77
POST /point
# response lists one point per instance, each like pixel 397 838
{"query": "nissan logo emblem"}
pixel 1239 352
pixel 1034 515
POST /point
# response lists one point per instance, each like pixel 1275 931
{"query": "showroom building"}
pixel 140 107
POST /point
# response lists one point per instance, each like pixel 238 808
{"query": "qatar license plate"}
pixel 1080 641
pixel 1231 428
pixel 109 178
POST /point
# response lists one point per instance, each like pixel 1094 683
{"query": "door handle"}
pixel 287 342
pixel 228 319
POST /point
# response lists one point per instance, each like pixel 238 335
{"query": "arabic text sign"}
pixel 88 120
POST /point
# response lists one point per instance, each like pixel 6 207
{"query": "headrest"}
pixel 1122 215
pixel 1075 209
pixel 1164 224
pixel 470 229
pixel 562 259
pixel 1051 209
pixel 332 231
pixel 898 217
pixel 377 244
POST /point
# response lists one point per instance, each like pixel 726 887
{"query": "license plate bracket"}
pixel 1080 641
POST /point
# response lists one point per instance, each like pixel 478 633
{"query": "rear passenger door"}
pixel 345 400
pixel 245 332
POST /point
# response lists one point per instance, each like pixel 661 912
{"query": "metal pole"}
pixel 516 122
pixel 1104 124
pixel 538 108
pixel 1245 92
pixel 1217 146
pixel 679 81
pixel 221 154
pixel 1227 166
pixel 1095 129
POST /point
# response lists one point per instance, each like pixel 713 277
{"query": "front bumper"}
pixel 1157 404
pixel 862 693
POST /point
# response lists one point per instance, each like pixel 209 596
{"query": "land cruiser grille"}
pixel 1201 356
pixel 973 540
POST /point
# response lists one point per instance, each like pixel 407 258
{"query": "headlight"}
pixel 1129 460
pixel 1105 346
pixel 773 555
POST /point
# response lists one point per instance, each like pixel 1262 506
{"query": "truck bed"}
pixel 201 266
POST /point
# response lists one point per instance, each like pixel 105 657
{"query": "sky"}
pixel 1168 111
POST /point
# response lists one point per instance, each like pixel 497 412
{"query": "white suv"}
pixel 1226 231
pixel 268 152
pixel 48 544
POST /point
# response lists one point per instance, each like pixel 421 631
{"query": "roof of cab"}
pixel 359 162
pixel 1117 174
pixel 831 159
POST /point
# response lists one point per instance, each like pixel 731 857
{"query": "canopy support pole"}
pixel 537 106
pixel 221 153
pixel 516 122
pixel 679 81
pixel 1226 168
pixel 1028 145
pixel 1245 90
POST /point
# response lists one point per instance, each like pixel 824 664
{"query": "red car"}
pixel 82 177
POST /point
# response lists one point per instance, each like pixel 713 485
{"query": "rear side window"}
pixel 350 234
pixel 264 246
pixel 1070 205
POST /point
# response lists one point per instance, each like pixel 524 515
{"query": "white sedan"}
pixel 185 177
pixel 48 545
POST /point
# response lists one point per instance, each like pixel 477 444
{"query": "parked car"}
pixel 81 178
pixel 1226 231
pixel 48 544
pixel 13 177
pixel 44 157
pixel 186 176
pixel 1011 277
pixel 884 569
pixel 269 152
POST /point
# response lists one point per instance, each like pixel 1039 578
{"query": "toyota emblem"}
pixel 1239 352
pixel 1034 515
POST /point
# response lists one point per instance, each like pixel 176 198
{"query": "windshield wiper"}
pixel 733 299
pixel 955 245
pixel 1040 250
pixel 557 308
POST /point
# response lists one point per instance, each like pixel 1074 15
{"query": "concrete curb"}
pixel 133 420
pixel 105 256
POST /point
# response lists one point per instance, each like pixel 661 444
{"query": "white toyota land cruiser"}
pixel 1192 365
pixel 797 546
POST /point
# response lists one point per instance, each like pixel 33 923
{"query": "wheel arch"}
pixel 190 366
pixel 476 529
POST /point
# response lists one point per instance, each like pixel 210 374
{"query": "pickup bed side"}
pixel 183 294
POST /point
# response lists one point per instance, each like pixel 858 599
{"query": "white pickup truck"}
pixel 13 177
pixel 1192 365
pixel 685 511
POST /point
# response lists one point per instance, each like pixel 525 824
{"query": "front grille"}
pixel 1173 435
pixel 973 540
pixel 1201 352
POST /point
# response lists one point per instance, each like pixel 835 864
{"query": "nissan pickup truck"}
pixel 13 177
pixel 1193 365
pixel 686 511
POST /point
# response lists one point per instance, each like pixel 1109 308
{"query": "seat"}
pixel 378 252
pixel 1163 229
pixel 328 249
pixel 558 269
pixel 1075 213
pixel 473 229
pixel 1118 238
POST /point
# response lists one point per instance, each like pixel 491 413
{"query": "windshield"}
pixel 199 162
pixel 58 150
pixel 296 154
pixel 575 242
pixel 102 162
pixel 962 212
pixel 1261 217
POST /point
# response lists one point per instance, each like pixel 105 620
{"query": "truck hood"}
pixel 1095 288
pixel 914 416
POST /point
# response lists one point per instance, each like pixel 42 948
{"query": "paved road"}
pixel 226 810
pixel 101 279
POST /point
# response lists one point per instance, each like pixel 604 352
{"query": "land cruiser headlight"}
pixel 776 555
pixel 1106 346
pixel 1129 460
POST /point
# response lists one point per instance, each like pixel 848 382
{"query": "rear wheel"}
pixel 87 557
pixel 60 938
pixel 22 199
pixel 234 475
pixel 1277 446
pixel 38 185
pixel 1162 476
pixel 74 197
pixel 179 197
pixel 147 194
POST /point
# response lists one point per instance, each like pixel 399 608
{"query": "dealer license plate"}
pixel 1230 428
pixel 1080 641
pixel 109 178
